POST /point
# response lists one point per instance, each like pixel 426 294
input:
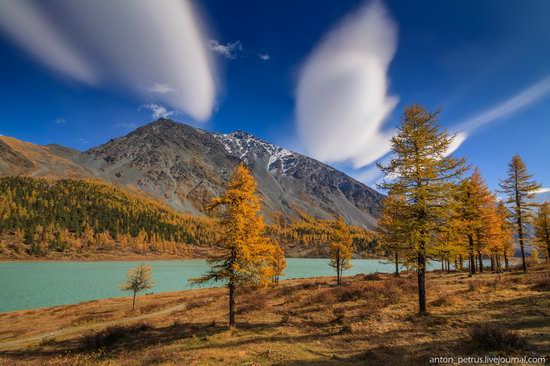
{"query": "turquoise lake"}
pixel 28 285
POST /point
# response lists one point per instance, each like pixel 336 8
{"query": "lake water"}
pixel 27 285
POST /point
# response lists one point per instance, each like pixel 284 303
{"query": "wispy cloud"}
pixel 370 175
pixel 342 94
pixel 136 46
pixel 264 56
pixel 543 190
pixel 158 111
pixel 459 138
pixel 229 50
pixel 520 101
pixel 60 121
pixel 161 88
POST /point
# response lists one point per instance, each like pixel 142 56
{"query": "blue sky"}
pixel 258 65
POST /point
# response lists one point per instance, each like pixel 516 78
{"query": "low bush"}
pixel 252 303
pixel 372 276
pixel 349 293
pixel 109 336
pixel 491 338
pixel 540 282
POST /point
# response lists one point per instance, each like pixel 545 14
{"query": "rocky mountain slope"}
pixel 186 166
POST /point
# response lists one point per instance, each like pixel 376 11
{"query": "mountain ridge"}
pixel 186 166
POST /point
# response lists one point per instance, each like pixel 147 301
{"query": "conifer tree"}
pixel 278 263
pixel 138 279
pixel 542 229
pixel 506 233
pixel 474 200
pixel 394 232
pixel 534 256
pixel 246 252
pixel 424 173
pixel 520 191
pixel 340 249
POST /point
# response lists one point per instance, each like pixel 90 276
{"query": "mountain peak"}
pixel 185 167
pixel 162 122
pixel 240 134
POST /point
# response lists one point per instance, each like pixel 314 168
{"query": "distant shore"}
pixel 197 253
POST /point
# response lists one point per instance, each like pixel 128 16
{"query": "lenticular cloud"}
pixel 129 44
pixel 342 98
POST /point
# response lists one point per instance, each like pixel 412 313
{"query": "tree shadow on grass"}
pixel 132 340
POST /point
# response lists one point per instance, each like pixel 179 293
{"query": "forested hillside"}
pixel 311 237
pixel 40 216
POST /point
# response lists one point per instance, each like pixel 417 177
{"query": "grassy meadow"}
pixel 369 320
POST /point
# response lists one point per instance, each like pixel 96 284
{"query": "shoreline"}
pixel 140 258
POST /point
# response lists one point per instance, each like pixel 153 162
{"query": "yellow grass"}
pixel 367 321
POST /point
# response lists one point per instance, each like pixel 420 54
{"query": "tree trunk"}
pixel 396 264
pixel 471 252
pixel 442 265
pixel 134 301
pixel 520 234
pixel 448 267
pixel 492 263
pixel 461 262
pixel 421 281
pixel 480 259
pixel 231 304
pixel 338 279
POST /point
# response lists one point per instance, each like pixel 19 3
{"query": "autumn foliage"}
pixel 247 256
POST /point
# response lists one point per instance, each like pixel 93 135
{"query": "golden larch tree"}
pixel 472 196
pixel 520 190
pixel 394 234
pixel 542 229
pixel 423 171
pixel 278 263
pixel 138 279
pixel 506 234
pixel 340 250
pixel 245 251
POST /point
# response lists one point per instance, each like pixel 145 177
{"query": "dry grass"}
pixel 107 338
pixel 488 337
pixel 368 320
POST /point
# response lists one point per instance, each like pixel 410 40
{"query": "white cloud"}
pixel 342 94
pixel 458 139
pixel 264 56
pixel 158 111
pixel 519 101
pixel 543 190
pixel 161 88
pixel 138 43
pixel 229 50
pixel 60 121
